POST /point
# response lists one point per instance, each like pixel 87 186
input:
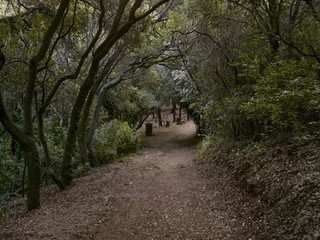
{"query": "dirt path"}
pixel 159 193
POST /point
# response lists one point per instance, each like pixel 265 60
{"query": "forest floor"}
pixel 158 193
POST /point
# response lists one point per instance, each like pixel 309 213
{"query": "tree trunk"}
pixel 179 119
pixel 141 121
pixel 274 27
pixel 114 35
pixel 23 179
pixel 83 148
pixel 26 137
pixel 159 117
pixel 30 148
pixel 47 161
pixel 66 169
pixel 174 107
pixel 101 51
pixel 31 157
pixel 83 145
pixel 34 173
pixel 96 116
pixel 294 10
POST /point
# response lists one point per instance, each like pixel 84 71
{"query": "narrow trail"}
pixel 159 193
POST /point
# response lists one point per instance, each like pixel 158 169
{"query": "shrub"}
pixel 113 139
pixel 11 167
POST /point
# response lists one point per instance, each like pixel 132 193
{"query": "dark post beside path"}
pixel 149 129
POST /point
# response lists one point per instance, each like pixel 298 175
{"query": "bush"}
pixel 208 145
pixel 113 139
pixel 287 97
pixel 11 167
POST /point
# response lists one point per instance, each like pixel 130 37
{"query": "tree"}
pixel 122 66
pixel 26 137
pixel 117 31
pixel 43 57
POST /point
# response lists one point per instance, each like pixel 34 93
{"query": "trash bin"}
pixel 149 129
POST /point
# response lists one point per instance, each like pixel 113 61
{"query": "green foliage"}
pixel 280 100
pixel 286 98
pixel 113 139
pixel 131 104
pixel 208 145
pixel 10 167
pixel 55 140
pixel 255 84
pixel 144 100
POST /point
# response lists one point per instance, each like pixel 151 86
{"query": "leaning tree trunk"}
pixel 102 50
pixel 113 37
pixel 66 168
pixel 142 119
pixel 117 31
pixel 96 115
pixel 82 135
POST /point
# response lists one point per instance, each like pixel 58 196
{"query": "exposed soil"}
pixel 158 193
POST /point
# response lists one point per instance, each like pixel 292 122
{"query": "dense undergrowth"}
pixel 112 140
pixel 284 176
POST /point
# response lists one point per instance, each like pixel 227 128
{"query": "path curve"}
pixel 159 193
